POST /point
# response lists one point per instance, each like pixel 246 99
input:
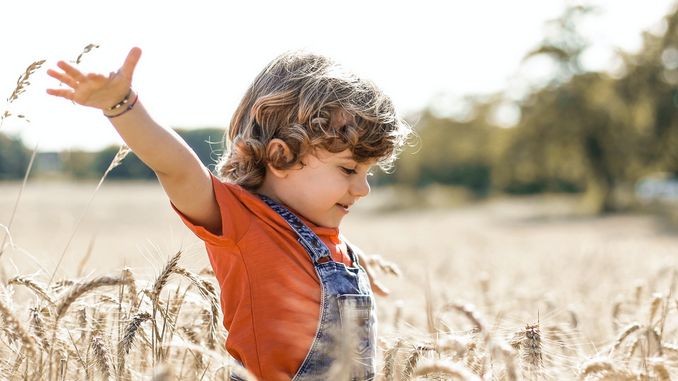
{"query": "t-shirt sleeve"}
pixel 235 218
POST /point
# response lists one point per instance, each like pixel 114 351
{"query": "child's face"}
pixel 325 187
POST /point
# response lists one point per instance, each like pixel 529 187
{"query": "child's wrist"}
pixel 122 107
pixel 120 104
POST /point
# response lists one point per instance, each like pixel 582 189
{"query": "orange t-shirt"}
pixel 270 292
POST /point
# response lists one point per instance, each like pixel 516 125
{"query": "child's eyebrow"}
pixel 347 160
pixel 351 161
pixel 346 156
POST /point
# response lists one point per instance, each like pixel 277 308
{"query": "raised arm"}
pixel 185 179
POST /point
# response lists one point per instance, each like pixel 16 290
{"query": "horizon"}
pixel 412 54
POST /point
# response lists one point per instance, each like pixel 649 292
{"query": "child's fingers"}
pixel 68 94
pixel 70 70
pixel 130 63
pixel 70 82
pixel 96 77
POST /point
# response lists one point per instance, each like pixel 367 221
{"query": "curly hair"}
pixel 294 99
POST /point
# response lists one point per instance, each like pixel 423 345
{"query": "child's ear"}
pixel 277 153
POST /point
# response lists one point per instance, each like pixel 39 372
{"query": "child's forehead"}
pixel 346 155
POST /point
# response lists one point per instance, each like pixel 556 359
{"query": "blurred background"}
pixel 543 110
pixel 542 186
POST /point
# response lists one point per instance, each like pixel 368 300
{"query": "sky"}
pixel 200 56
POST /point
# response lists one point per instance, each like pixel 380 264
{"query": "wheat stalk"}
pixel 655 303
pixel 130 332
pixel 85 258
pixel 413 359
pixel 164 275
pixel 38 326
pixel 207 290
pixel 603 368
pixel 471 314
pixel 80 289
pixel 528 344
pixel 163 373
pixel 390 360
pixel 21 84
pixel 193 338
pixel 102 357
pixel 86 50
pixel 122 153
pixel 659 368
pixel 18 328
pixel 33 286
pixel 630 350
pixel 508 354
pixel 428 368
pixel 16 202
pixel 128 337
pixel 132 285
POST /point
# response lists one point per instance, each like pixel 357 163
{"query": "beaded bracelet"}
pixel 122 102
pixel 131 105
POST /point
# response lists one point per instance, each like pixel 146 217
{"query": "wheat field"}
pixel 507 289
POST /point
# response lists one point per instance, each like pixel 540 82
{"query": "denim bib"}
pixel 346 333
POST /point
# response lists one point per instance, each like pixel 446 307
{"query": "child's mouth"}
pixel 345 207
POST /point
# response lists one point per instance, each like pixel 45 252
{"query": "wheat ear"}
pixel 163 277
pixel 19 330
pixel 33 286
pixel 443 367
pixel 80 289
pixel 102 357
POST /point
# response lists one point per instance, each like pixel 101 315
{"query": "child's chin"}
pixel 327 222
pixel 331 225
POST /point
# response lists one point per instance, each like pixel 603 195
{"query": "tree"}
pixel 206 142
pixel 650 88
pixel 14 158
pixel 200 140
pixel 575 129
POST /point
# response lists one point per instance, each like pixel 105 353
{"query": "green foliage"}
pixel 592 132
pixel 130 168
pixel 449 152
pixel 14 158
pixel 82 165
pixel 206 142
pixel 580 131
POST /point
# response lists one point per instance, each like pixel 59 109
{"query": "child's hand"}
pixel 95 90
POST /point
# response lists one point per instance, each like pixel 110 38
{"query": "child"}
pixel 300 147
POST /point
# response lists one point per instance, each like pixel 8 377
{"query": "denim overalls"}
pixel 348 319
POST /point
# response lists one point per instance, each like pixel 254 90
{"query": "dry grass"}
pixel 90 317
pixel 135 326
pixel 545 298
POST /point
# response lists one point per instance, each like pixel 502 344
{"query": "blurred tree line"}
pixel 14 158
pixel 583 131
pixel 586 132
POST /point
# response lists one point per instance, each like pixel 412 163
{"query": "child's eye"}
pixel 348 171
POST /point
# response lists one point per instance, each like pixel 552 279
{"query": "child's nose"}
pixel 360 186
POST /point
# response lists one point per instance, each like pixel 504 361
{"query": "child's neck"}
pixel 267 190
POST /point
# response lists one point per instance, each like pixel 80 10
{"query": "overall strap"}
pixel 307 238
